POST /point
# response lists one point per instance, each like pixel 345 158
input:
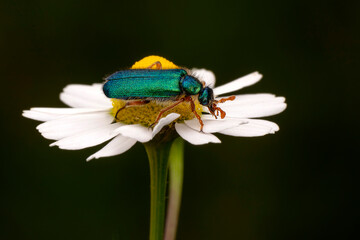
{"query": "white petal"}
pixel 163 122
pixel 204 75
pixel 253 106
pixel 274 127
pixel 67 111
pixel 138 132
pixel 39 116
pixel 97 86
pixel 254 128
pixel 88 138
pixel 193 136
pixel 46 114
pixel 238 84
pixel 212 125
pixel 254 110
pixel 116 146
pixel 73 124
pixel 77 95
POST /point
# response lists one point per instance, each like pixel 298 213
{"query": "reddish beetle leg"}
pixel 183 99
pixel 157 65
pixel 132 103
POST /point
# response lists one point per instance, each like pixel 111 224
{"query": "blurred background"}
pixel 296 184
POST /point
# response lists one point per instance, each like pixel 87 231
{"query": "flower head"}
pixel 93 118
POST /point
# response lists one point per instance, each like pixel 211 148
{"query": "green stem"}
pixel 176 170
pixel 158 154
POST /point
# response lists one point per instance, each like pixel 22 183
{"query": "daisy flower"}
pixel 91 121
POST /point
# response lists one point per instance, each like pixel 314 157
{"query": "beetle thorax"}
pixel 190 85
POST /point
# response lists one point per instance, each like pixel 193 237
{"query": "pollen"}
pixel 146 114
pixel 148 61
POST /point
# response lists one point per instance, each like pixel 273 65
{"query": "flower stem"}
pixel 176 170
pixel 158 154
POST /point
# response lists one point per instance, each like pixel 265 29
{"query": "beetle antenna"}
pixel 214 108
pixel 222 100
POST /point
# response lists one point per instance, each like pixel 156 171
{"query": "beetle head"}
pixel 206 98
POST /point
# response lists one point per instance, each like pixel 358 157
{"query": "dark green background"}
pixel 296 184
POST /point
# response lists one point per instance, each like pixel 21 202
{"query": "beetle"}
pixel 178 85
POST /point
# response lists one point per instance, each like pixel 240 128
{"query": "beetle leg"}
pixel 192 104
pixel 166 109
pixel 132 103
pixel 156 64
pixel 212 112
pixel 215 110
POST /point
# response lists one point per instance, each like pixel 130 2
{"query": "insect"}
pixel 143 85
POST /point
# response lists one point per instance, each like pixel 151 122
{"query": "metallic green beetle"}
pixel 145 85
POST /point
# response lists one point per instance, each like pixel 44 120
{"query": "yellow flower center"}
pixel 146 114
